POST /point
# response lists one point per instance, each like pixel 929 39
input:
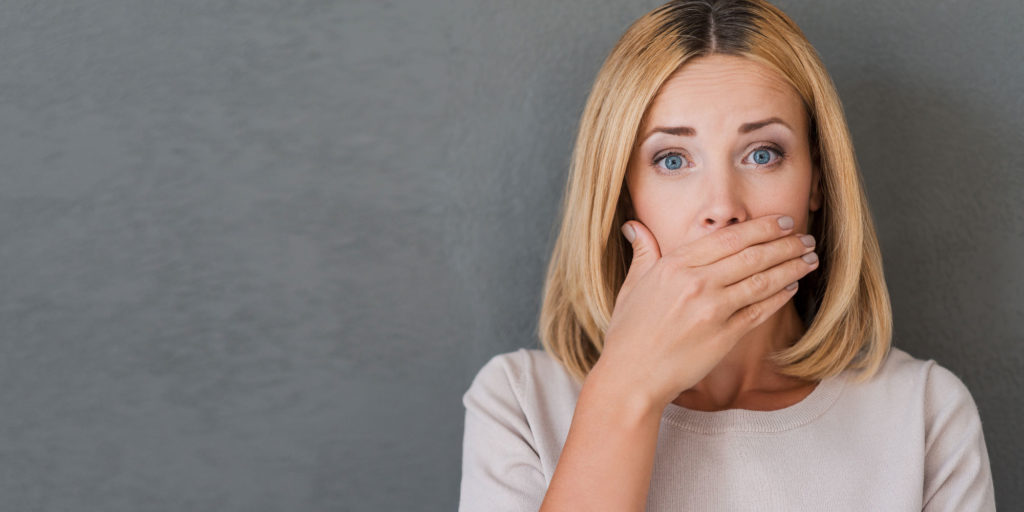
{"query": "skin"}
pixel 712 180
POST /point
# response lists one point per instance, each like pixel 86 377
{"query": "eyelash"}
pixel 772 147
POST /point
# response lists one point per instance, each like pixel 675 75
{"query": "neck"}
pixel 746 368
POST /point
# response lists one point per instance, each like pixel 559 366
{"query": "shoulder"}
pixel 948 426
pixel 902 370
pixel 529 386
pixel 932 376
pixel 923 385
pixel 946 397
pixel 521 372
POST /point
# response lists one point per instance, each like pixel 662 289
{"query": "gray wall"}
pixel 254 252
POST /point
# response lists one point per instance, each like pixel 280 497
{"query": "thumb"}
pixel 645 248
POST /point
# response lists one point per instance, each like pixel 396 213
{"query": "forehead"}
pixel 724 88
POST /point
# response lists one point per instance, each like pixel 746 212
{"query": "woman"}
pixel 730 350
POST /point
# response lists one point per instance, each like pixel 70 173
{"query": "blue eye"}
pixel 673 161
pixel 762 156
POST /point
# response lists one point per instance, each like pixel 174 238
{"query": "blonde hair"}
pixel 844 306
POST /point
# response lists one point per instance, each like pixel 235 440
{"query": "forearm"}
pixel 608 455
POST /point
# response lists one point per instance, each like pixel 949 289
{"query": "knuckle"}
pixel 731 240
pixel 752 256
pixel 706 314
pixel 759 282
pixel 694 285
pixel 751 313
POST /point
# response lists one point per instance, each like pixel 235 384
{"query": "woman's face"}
pixel 713 168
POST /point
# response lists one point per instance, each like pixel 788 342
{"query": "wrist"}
pixel 626 392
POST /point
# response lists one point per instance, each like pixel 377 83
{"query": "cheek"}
pixel 789 196
pixel 666 211
pixel 780 196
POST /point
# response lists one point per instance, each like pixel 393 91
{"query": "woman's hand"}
pixel 676 316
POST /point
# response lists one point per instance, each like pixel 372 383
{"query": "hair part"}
pixel 845 306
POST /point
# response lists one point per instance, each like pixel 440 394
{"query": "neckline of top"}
pixel 824 394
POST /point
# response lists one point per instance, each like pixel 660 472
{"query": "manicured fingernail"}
pixel 627 230
pixel 791 286
pixel 810 257
pixel 808 240
pixel 785 222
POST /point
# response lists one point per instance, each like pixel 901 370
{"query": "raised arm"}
pixel 608 455
pixel 675 318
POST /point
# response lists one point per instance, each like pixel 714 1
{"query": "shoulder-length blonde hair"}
pixel 844 306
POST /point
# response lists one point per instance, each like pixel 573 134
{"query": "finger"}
pixel 760 257
pixel 766 283
pixel 733 239
pixel 752 315
pixel 645 250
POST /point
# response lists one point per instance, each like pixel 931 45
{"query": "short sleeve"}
pixel 501 470
pixel 958 476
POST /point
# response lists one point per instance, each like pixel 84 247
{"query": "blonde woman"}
pixel 715 322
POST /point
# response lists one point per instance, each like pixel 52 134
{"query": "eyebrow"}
pixel 690 132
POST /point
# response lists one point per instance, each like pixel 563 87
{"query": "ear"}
pixel 816 195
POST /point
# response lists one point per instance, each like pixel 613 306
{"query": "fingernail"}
pixel 785 222
pixel 808 240
pixel 627 230
pixel 791 286
pixel 810 257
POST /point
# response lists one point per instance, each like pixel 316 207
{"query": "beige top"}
pixel 909 439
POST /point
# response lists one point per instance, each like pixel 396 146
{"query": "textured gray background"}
pixel 253 252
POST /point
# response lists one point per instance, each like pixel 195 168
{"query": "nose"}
pixel 723 202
